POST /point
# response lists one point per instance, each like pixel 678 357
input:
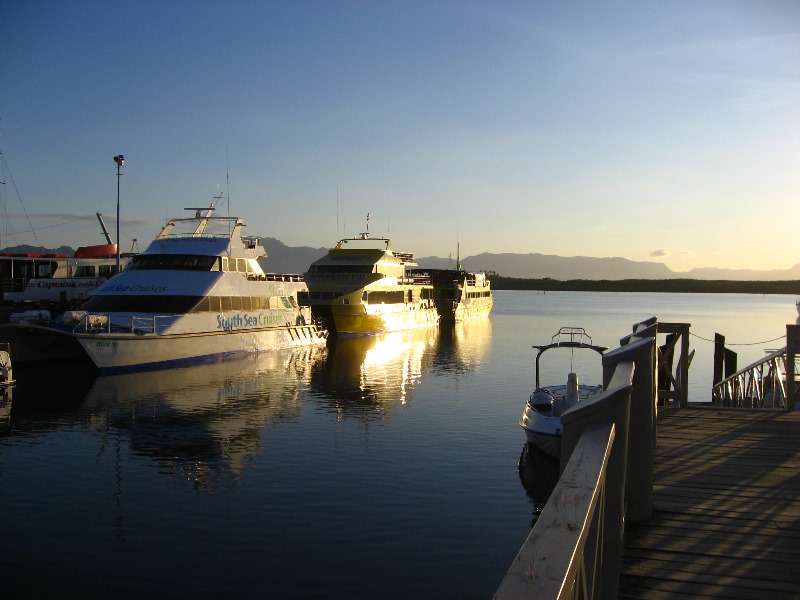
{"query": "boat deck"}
pixel 726 520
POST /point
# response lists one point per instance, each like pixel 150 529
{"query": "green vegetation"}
pixel 697 286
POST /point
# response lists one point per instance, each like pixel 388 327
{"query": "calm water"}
pixel 383 467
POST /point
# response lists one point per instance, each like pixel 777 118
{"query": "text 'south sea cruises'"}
pixel 196 293
pixel 362 286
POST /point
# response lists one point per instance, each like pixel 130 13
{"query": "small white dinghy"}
pixel 541 418
pixel 6 373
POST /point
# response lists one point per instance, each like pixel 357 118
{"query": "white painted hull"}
pixel 545 430
pixel 124 352
pixel 473 310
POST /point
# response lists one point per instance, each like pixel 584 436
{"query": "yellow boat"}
pixel 362 286
pixel 459 295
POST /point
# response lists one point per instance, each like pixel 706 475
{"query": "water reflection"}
pixel 463 346
pixel 538 473
pixel 368 376
pixel 201 422
pixel 197 423
pixel 5 404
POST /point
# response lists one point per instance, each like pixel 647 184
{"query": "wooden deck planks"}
pixel 726 520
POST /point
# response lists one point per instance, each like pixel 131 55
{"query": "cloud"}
pixel 660 253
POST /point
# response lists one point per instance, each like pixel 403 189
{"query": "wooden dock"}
pixel 726 509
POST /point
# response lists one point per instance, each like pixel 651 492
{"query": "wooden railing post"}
pixel 792 350
pixel 641 432
pixel 613 406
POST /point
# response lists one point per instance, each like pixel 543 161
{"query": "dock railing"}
pixel 770 382
pixel 575 548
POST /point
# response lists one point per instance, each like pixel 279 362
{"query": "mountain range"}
pixel 296 259
pixel 288 259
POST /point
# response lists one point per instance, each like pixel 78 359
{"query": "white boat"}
pixel 459 295
pixel 6 372
pixel 47 280
pixel 197 293
pixel 541 418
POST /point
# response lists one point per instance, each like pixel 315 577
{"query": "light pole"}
pixel 120 160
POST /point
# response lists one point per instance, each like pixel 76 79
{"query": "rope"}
pixel 780 337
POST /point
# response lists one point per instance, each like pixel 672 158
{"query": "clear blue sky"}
pixel 664 131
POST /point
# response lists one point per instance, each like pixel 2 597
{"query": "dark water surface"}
pixel 380 467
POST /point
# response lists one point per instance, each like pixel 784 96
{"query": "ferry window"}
pixel 179 262
pixel 226 302
pixel 410 296
pixel 202 306
pixel 214 303
pixel 23 268
pixel 341 269
pixel 273 303
pixel 145 304
pixel 224 263
pixel 236 303
pixel 45 269
pixel 85 271
pixel 245 303
pixel 107 270
pixel 241 265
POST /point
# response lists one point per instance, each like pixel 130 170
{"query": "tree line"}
pixel 697 286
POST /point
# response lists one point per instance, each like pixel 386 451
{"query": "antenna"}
pixel 227 180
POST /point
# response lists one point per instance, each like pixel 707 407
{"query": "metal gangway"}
pixel 762 384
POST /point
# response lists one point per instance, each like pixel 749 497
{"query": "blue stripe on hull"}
pixel 174 363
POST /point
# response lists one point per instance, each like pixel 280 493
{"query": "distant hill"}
pixel 288 259
pixel 540 266
pixel 26 249
pixel 296 259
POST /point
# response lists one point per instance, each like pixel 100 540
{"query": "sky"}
pixel 655 131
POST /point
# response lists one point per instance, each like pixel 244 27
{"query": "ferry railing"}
pixel 575 548
pixel 102 323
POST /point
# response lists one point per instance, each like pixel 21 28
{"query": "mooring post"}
pixel 792 350
pixel 719 359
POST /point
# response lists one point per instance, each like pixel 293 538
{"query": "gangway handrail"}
pixel 761 361
pixel 750 387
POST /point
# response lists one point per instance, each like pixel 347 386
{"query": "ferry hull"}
pixel 463 311
pixel 116 353
pixel 354 320
pixel 129 352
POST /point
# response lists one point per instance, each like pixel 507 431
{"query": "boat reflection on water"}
pixel 369 376
pixel 5 405
pixel 538 473
pixel 463 346
pixel 206 422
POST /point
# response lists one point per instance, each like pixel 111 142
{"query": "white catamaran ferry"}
pixel 197 293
